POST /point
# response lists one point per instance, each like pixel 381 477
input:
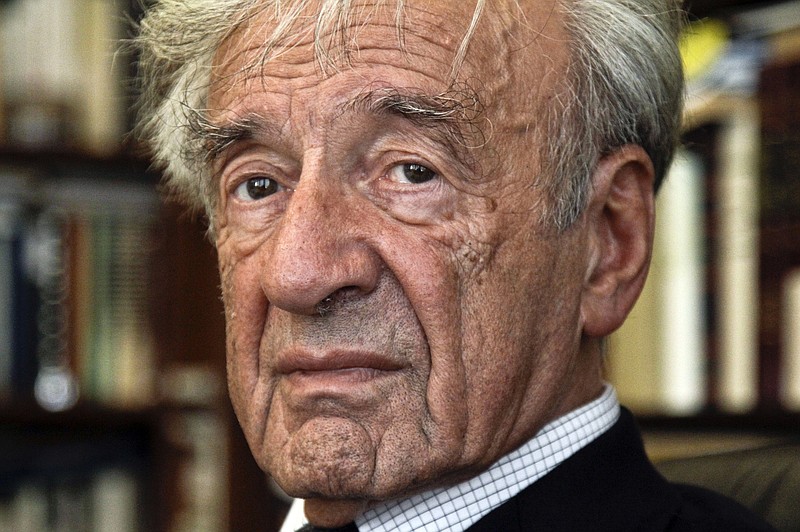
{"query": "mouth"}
pixel 335 368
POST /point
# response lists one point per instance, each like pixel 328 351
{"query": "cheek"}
pixel 245 302
pixel 436 270
pixel 520 339
pixel 245 315
pixel 507 300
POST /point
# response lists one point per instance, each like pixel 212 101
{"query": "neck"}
pixel 333 513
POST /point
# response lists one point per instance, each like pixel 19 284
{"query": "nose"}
pixel 319 251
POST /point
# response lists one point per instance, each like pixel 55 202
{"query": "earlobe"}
pixel 620 223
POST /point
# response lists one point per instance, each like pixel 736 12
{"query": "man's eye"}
pixel 256 188
pixel 412 173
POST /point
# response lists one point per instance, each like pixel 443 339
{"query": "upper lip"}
pixel 301 360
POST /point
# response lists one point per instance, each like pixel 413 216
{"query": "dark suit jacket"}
pixel 610 485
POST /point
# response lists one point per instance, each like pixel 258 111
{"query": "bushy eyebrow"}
pixel 215 139
pixel 452 117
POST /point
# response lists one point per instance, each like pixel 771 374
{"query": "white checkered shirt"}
pixel 458 507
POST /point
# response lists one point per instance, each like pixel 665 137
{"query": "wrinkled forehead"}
pixel 489 43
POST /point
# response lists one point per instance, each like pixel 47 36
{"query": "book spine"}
pixel 790 371
pixel 24 309
pixel 737 292
pixel 9 228
pixel 680 227
pixel 55 387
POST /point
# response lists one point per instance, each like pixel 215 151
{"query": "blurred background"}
pixel 113 408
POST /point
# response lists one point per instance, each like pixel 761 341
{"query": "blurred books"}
pixel 717 324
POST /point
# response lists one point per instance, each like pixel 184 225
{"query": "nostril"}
pixel 325 306
pixel 336 299
pixel 347 292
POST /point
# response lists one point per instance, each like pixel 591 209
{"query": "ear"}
pixel 620 224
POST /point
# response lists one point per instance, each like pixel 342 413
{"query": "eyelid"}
pixel 239 169
pixel 395 147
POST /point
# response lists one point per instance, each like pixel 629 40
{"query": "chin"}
pixel 326 457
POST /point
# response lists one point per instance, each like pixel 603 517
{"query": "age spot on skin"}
pixel 474 257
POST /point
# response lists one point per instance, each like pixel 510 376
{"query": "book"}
pixel 780 226
pixel 790 367
pixel 105 500
pixel 60 75
pixel 114 501
pixel 682 256
pixel 9 221
pixel 75 269
pixel 55 387
pixel 737 255
pixel 24 311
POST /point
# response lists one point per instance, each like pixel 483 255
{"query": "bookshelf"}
pixel 144 424
pixel 97 428
pixel 150 426
pixel 726 251
pixel 80 427
pixel 92 467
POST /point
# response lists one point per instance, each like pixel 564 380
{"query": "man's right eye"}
pixel 256 188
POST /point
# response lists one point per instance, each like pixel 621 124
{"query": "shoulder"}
pixel 610 485
pixel 705 510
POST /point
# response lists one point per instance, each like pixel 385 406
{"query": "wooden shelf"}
pixel 83 415
pixel 704 8
pixel 766 422
pixel 129 164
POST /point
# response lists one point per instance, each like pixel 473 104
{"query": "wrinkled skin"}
pixel 393 327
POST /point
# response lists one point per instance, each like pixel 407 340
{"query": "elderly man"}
pixel 429 214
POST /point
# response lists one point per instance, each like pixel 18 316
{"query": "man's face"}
pixel 398 316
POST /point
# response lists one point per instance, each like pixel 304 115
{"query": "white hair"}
pixel 623 85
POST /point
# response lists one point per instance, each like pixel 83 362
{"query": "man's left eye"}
pixel 412 173
pixel 256 188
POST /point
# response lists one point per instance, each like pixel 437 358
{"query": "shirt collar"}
pixel 456 508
